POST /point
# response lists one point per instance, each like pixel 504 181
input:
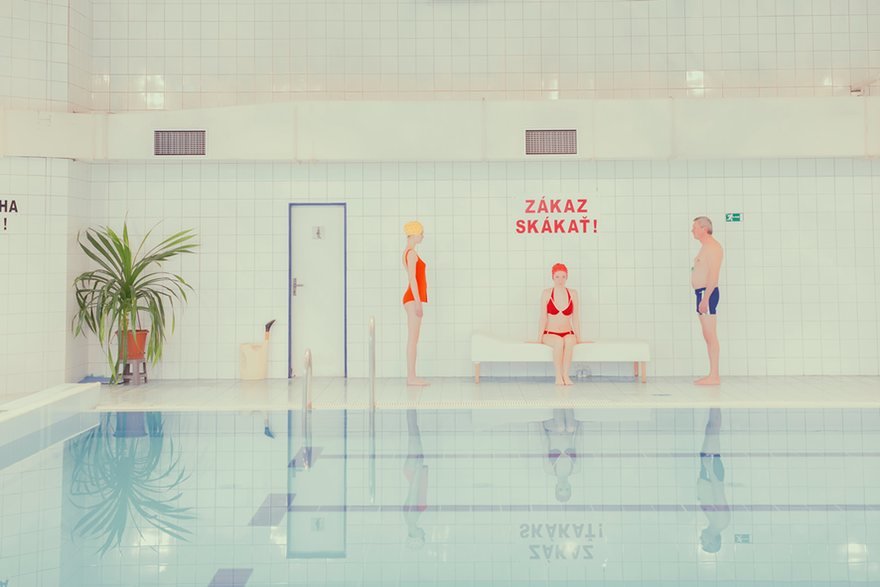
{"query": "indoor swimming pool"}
pixel 486 497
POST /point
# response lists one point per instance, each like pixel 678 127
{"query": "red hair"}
pixel 559 267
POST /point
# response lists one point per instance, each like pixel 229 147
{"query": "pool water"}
pixel 471 497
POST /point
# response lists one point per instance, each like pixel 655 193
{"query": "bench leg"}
pixel 635 368
pixel 643 371
pixel 477 373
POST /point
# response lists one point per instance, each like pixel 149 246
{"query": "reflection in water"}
pixel 267 427
pixel 416 473
pixel 119 477
pixel 710 486
pixel 562 433
pixel 317 486
pixel 647 514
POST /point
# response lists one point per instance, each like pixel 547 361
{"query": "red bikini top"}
pixel 553 310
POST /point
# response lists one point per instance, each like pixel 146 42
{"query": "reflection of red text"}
pixel 572 226
pixel 544 206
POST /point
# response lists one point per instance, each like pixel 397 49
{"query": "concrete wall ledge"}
pixel 746 128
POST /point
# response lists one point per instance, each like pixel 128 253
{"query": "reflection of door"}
pixel 317 288
pixel 317 481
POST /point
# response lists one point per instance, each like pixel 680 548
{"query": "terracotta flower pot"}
pixel 136 347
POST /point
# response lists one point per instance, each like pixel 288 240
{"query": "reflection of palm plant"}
pixel 112 298
pixel 123 474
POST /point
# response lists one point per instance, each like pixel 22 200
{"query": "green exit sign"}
pixel 734 217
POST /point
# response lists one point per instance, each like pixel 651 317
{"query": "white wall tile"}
pixel 33 55
pixel 386 50
pixel 34 254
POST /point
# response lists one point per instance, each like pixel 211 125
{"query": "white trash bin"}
pixel 253 357
pixel 253 360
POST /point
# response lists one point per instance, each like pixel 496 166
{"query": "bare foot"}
pixel 417 382
pixel 559 381
pixel 708 380
pixel 567 380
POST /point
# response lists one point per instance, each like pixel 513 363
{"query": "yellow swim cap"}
pixel 413 228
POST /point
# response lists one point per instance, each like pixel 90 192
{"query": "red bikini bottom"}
pixel 560 334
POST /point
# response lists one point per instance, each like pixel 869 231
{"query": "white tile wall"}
pixel 799 285
pixel 34 55
pixel 80 54
pixel 33 265
pixel 189 54
pixel 808 222
pixel 78 205
pixel 142 55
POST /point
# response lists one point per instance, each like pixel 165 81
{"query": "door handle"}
pixel 294 285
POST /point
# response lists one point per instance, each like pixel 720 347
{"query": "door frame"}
pixel 290 209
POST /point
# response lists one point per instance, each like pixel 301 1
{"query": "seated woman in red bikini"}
pixel 559 326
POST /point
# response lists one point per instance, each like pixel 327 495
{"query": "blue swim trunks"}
pixel 713 299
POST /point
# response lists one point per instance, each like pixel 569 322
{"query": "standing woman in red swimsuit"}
pixel 559 326
pixel 416 295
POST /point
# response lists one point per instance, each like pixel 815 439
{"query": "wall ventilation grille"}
pixel 179 142
pixel 551 142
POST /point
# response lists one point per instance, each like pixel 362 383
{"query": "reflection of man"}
pixel 561 459
pixel 416 474
pixel 704 278
pixel 710 486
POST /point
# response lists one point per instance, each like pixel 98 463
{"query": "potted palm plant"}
pixel 130 284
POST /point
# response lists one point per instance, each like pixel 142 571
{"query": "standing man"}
pixel 704 278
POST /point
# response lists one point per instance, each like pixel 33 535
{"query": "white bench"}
pixel 486 348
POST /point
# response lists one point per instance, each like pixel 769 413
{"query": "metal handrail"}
pixel 372 363
pixel 372 409
pixel 307 394
pixel 306 410
pixel 372 456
